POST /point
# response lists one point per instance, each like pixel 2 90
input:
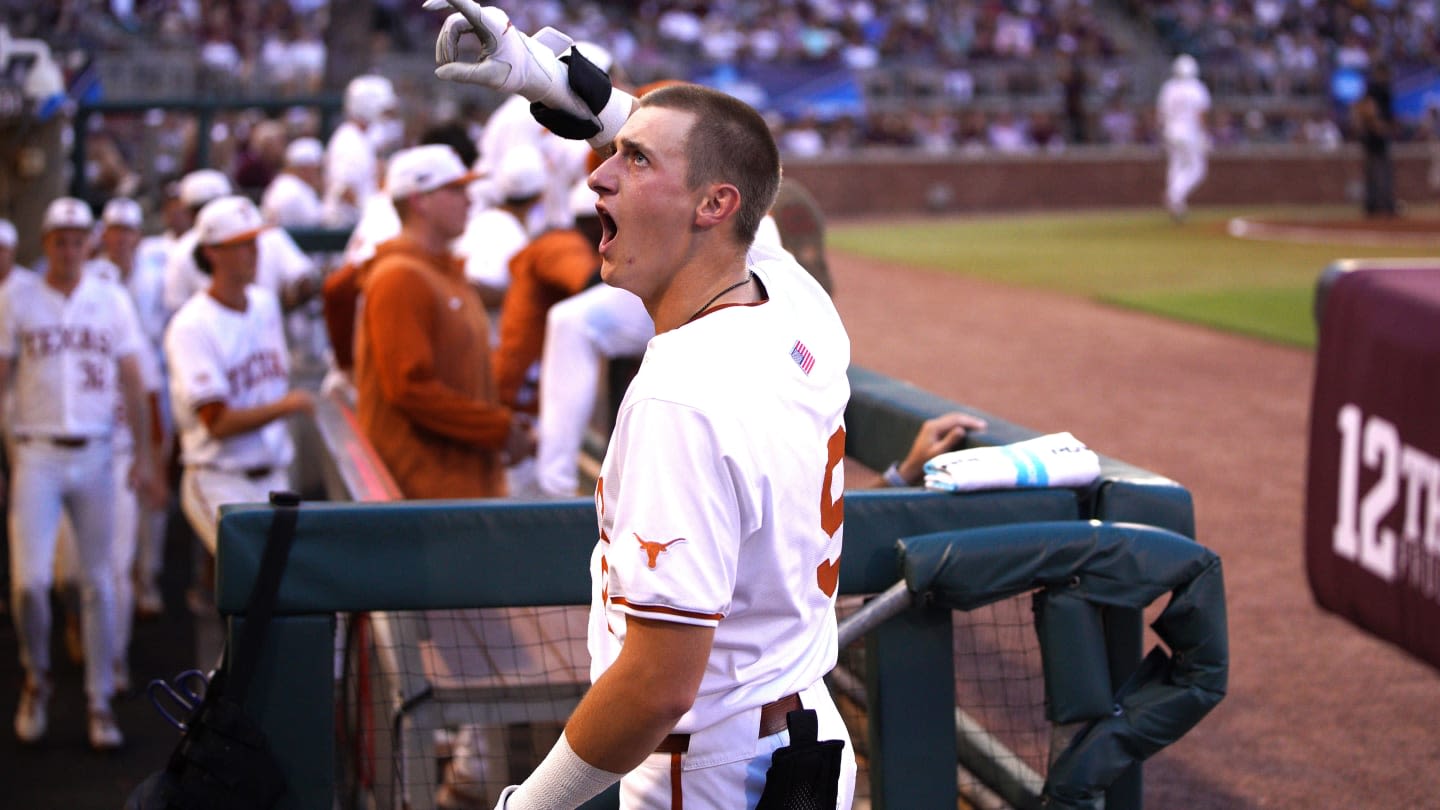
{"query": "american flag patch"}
pixel 802 357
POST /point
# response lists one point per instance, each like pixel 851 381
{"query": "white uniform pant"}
pixel 733 785
pixel 204 490
pixel 124 539
pixel 1186 159
pixel 582 330
pixel 47 479
pixel 150 546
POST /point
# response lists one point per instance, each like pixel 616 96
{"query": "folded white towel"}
pixel 1053 460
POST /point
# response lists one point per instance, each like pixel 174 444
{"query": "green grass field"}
pixel 1140 259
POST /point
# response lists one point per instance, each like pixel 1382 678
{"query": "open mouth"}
pixel 608 229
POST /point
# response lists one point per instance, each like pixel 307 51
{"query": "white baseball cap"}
pixel 203 185
pixel 424 168
pixel 1185 66
pixel 369 97
pixel 521 173
pixel 123 212
pixel 67 212
pixel 8 236
pixel 304 152
pixel 227 221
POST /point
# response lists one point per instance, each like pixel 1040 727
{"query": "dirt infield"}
pixel 1319 714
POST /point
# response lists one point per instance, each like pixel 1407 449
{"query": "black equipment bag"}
pixel 223 761
pixel 804 775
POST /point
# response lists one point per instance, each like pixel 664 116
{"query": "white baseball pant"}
pixel 1185 169
pixel 150 548
pixel 204 490
pixel 124 537
pixel 601 322
pixel 46 479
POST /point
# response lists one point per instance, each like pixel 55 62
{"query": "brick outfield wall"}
pixel 902 184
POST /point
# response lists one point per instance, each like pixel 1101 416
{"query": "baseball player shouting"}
pixel 719 503
pixel 230 374
pixel 72 340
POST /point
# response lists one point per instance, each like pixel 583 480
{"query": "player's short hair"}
pixel 202 261
pixel 728 142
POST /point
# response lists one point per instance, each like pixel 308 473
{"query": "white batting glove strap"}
pixel 611 117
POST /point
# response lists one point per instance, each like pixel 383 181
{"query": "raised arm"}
pixel 569 95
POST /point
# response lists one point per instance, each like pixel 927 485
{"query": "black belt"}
pixel 252 473
pixel 772 721
pixel 67 442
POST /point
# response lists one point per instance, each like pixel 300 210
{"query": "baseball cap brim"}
pixel 242 236
pixel 463 180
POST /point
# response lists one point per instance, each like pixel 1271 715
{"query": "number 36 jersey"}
pixel 65 350
pixel 720 498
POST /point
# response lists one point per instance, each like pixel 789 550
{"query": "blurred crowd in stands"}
pixel 965 76
pixel 1289 46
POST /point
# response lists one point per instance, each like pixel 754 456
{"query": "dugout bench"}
pixel 350 557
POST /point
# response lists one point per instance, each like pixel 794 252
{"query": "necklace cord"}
pixel 749 274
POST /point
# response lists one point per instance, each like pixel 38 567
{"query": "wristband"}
pixel 563 779
pixel 893 477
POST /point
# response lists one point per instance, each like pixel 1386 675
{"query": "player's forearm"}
pixel 638 700
pixel 238 421
pixel 619 724
pixel 137 407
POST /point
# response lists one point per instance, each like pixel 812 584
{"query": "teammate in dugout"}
pixel 230 375
pixel 72 340
pixel 424 395
pixel 719 503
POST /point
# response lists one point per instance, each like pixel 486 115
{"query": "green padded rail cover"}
pixel 420 555
pixel 1104 565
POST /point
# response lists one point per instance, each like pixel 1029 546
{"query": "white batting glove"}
pixel 512 62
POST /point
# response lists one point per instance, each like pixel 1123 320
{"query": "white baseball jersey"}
pixel 511 124
pixel 147 355
pixel 65 351
pixel 216 354
pixel 291 203
pixel 153 254
pixel 1181 107
pixel 18 274
pixel 146 286
pixel 491 239
pixel 720 498
pixel 378 223
pixel 280 262
pixel 602 321
pixel 351 170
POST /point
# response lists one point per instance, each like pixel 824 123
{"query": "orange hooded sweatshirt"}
pixel 426 400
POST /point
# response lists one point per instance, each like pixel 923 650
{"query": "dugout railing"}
pixel 406 556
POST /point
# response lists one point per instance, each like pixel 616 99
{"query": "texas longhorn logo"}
pixel 654 550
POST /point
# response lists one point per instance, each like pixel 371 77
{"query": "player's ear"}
pixel 720 203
